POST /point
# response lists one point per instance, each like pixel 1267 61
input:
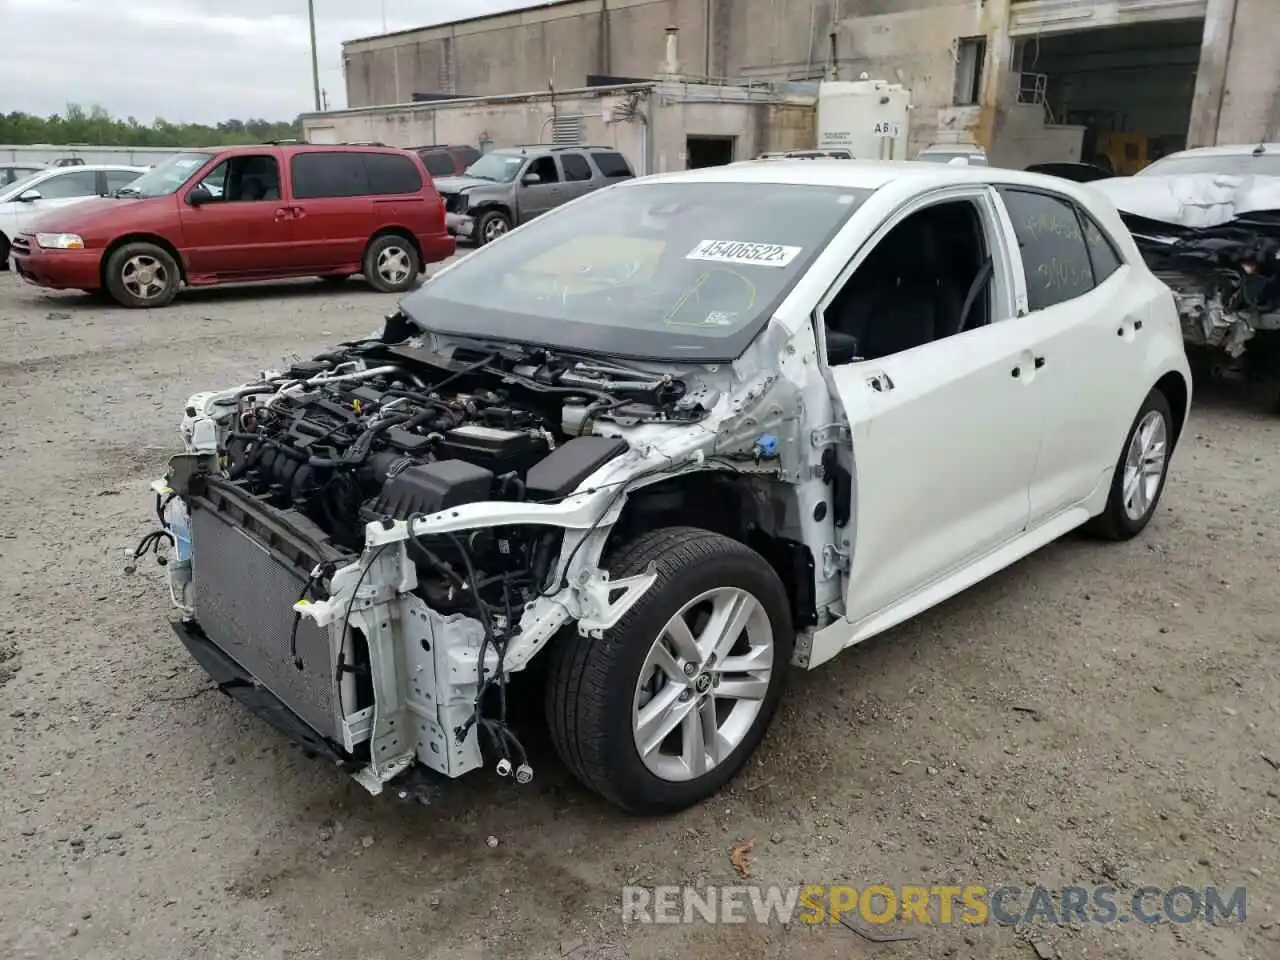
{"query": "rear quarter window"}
pixel 613 166
pixel 392 173
pixel 439 164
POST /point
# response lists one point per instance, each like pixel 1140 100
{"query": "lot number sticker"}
pixel 744 252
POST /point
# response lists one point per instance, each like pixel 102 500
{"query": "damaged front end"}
pixel 368 545
pixel 1214 240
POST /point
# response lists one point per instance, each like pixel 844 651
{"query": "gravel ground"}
pixel 1097 714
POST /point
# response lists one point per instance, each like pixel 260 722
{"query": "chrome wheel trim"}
pixel 144 276
pixel 394 265
pixel 494 228
pixel 703 684
pixel 1144 465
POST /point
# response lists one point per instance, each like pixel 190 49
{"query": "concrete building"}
pixel 1028 79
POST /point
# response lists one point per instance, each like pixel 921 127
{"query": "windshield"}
pixel 499 167
pixel 657 271
pixel 1237 165
pixel 167 177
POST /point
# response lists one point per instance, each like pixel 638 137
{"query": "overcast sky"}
pixel 193 60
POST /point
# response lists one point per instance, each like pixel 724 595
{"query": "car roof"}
pixel 93 167
pixel 244 148
pixel 855 174
pixel 1226 150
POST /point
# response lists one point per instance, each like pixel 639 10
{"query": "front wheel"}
pixel 491 226
pixel 143 276
pixel 661 712
pixel 391 264
pixel 1140 473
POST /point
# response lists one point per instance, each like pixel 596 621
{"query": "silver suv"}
pixel 507 187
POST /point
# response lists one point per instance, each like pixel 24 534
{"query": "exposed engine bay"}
pixel 369 543
pixel 379 432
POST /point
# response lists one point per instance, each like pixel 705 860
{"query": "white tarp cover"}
pixel 1196 201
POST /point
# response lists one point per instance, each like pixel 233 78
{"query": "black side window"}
pixel 438 164
pixel 613 165
pixel 1102 252
pixel 1054 255
pixel 392 173
pixel 545 168
pixel 328 174
pixel 244 179
pixel 575 166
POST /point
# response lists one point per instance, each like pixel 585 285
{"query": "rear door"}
pixel 244 229
pixel 333 209
pixel 402 195
pixel 546 193
pixel 1083 308
pixel 578 178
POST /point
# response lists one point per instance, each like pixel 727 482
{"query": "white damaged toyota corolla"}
pixel 669 441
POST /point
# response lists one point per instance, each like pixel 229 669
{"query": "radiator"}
pixel 244 600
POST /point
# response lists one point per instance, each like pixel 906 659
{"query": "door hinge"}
pixel 834 560
pixel 831 433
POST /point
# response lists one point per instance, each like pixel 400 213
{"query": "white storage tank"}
pixel 869 118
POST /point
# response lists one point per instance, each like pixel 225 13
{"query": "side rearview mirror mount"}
pixel 529 179
pixel 29 196
pixel 199 195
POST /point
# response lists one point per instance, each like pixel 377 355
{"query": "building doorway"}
pixel 708 152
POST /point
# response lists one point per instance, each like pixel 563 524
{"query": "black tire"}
pixel 491 225
pixel 391 263
pixel 135 257
pixel 1115 523
pixel 592 683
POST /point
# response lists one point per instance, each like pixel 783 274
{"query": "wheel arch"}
pixel 151 238
pixel 1177 391
pixel 397 230
pixel 733 507
pixel 493 206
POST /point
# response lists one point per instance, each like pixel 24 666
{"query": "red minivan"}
pixel 245 213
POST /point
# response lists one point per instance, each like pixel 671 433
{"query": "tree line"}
pixel 97 127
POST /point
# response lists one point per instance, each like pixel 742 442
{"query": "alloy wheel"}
pixel 703 684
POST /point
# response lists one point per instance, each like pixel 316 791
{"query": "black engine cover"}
pixel 431 487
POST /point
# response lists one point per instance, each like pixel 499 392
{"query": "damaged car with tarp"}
pixel 1207 221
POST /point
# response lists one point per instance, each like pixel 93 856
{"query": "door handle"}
pixel 298 212
pixel 1015 372
pixel 1039 362
pixel 282 214
pixel 880 383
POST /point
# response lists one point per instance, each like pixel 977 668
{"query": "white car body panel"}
pixel 17 215
pixel 959 468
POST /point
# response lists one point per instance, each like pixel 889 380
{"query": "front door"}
pixel 546 193
pixel 944 436
pixel 245 228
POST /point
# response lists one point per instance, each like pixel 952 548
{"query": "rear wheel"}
pixel 1140 473
pixel 143 276
pixel 664 709
pixel 391 264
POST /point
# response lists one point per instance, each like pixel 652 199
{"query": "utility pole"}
pixel 315 57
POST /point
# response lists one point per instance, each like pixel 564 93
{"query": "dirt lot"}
pixel 1098 714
